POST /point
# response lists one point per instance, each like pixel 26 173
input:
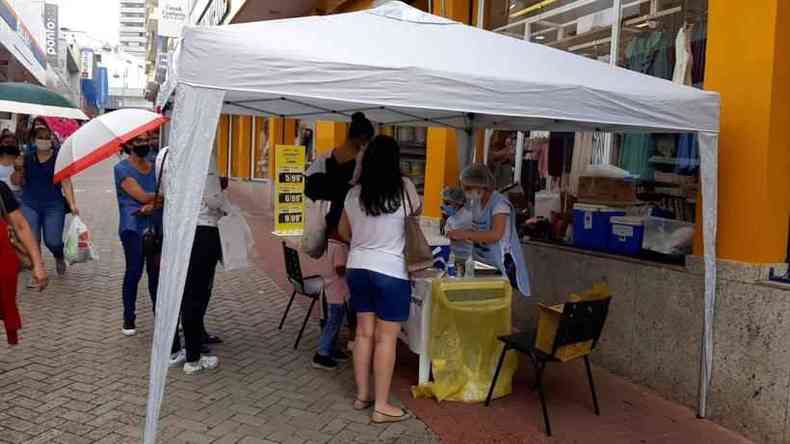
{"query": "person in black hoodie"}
pixel 330 178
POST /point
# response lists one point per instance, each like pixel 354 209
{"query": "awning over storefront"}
pixel 401 66
pixel 25 58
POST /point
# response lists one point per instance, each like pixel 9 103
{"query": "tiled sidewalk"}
pixel 75 379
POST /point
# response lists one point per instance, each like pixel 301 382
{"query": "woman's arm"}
pixel 344 228
pixel 132 188
pixel 25 234
pixel 68 193
pixel 495 234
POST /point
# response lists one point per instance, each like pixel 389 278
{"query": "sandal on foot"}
pixel 360 404
pixel 383 418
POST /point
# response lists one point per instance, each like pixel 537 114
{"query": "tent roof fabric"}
pixel 403 66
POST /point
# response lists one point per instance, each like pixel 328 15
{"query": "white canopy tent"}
pixel 404 67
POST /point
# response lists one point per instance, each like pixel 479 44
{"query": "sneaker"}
pixel 128 328
pixel 178 358
pixel 205 363
pixel 324 362
pixel 339 356
pixel 60 266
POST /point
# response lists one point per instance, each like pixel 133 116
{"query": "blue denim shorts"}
pixel 388 297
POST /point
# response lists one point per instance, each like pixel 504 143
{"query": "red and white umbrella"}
pixel 101 138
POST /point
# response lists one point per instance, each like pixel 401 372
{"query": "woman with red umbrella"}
pixel 135 184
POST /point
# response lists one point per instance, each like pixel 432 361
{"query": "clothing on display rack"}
pixel 538 148
pixel 560 153
pixel 582 157
pixel 684 59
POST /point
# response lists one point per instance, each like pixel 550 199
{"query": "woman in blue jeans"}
pixel 44 203
pixel 135 185
pixel 374 221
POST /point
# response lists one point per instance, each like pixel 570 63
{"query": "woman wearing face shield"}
pixel 495 236
pixel 135 184
pixel 44 203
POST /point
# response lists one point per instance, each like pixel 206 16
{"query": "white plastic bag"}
pixel 77 244
pixel 236 238
pixel 315 237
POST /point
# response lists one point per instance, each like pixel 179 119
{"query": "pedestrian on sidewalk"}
pixel 336 290
pixel 10 215
pixel 329 178
pixel 45 203
pixel 374 221
pixel 10 162
pixel 206 253
pixel 135 186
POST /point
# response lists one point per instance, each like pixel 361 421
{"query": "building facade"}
pixel 133 37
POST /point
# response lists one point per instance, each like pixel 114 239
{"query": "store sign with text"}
pixel 289 189
pixel 174 15
pixel 86 56
pixel 52 32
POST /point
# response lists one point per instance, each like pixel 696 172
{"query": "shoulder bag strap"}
pixel 406 198
pixel 161 172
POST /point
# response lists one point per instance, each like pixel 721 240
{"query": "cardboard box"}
pixel 605 189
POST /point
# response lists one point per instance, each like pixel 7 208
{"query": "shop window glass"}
pixel 261 149
pixel 663 38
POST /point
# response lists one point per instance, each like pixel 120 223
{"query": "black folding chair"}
pixel 310 286
pixel 579 322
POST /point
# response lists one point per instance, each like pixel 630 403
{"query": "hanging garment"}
pixel 684 60
pixel 540 153
pixel 648 54
pixel 635 155
pixel 560 146
pixel 699 41
pixel 582 156
pixel 506 254
pixel 688 155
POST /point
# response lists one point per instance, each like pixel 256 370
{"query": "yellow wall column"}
pixel 328 136
pixel 221 144
pixel 242 147
pixel 281 132
pixel 748 62
pixel 441 168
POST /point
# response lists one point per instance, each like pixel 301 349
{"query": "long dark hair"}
pixel 361 129
pixel 381 179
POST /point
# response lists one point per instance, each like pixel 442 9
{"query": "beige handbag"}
pixel 419 255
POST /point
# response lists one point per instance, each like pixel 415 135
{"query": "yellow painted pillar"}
pixel 221 143
pixel 281 132
pixel 242 147
pixel 754 150
pixel 329 135
pixel 441 168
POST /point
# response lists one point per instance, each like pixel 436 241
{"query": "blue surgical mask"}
pixel 450 211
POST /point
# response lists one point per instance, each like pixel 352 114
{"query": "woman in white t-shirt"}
pixel 373 221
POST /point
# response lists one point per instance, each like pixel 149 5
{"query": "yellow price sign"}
pixel 289 189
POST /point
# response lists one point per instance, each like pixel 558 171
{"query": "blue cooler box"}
pixel 626 235
pixel 592 226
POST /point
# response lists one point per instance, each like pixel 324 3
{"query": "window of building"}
pixel 662 38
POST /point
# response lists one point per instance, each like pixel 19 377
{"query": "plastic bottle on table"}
pixel 451 265
pixel 469 267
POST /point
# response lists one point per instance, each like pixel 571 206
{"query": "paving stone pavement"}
pixel 75 379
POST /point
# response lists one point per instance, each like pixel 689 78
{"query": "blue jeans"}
pixel 49 218
pixel 334 321
pixel 135 262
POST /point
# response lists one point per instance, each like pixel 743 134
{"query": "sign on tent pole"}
pixel 289 190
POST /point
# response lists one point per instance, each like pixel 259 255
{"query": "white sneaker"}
pixel 205 363
pixel 128 329
pixel 178 358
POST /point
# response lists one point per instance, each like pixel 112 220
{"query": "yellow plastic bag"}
pixel 467 317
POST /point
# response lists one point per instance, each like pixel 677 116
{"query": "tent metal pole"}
pixel 481 14
pixel 487 144
pixel 519 157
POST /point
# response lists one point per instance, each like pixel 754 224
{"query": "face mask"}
pixel 448 210
pixel 43 145
pixel 141 150
pixel 10 150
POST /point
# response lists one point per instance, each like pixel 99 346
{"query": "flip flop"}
pixel 366 404
pixel 383 418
